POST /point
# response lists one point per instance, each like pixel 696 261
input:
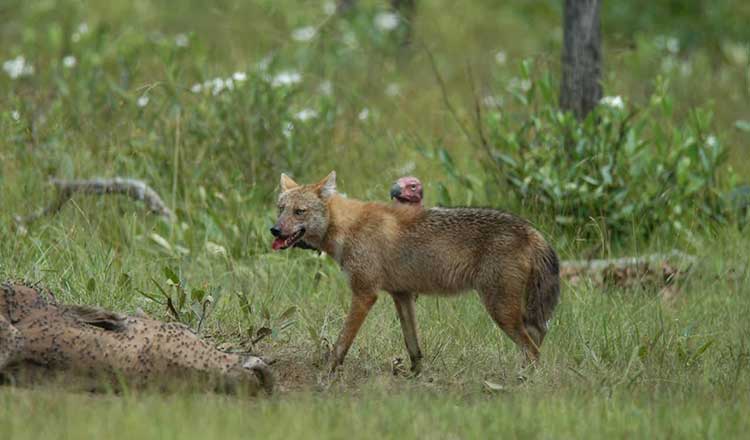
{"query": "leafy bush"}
pixel 632 170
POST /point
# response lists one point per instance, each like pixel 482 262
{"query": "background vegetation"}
pixel 208 103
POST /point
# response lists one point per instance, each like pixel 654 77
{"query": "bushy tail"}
pixel 543 293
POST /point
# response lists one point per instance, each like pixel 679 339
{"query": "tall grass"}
pixel 143 100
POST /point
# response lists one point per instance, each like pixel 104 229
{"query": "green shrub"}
pixel 632 170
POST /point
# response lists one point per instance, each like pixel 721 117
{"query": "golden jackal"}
pixel 405 251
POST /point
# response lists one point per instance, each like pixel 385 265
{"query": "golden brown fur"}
pixel 406 250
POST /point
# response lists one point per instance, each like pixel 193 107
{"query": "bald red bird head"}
pixel 407 190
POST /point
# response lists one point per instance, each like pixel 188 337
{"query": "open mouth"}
pixel 283 242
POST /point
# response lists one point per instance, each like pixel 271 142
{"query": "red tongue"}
pixel 278 243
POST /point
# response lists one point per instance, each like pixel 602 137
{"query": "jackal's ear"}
pixel 327 186
pixel 287 183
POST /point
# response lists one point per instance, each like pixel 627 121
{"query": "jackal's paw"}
pixel 398 368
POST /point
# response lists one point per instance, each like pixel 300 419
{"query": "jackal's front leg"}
pixel 362 302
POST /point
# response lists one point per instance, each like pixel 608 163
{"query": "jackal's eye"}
pixel 299 211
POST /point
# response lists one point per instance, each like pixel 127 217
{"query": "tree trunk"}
pixel 581 90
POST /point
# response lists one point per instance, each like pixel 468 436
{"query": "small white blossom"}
pixel 142 101
pixel 83 29
pixel 286 78
pixel 264 63
pixel 288 130
pixel 711 141
pixel 15 115
pixel 668 64
pixel 393 89
pixel 673 44
pixel 303 34
pixel 386 21
pixel 364 114
pixel 181 40
pixel 196 88
pixel 492 101
pixel 525 85
pixel 686 68
pixel 217 86
pixel 326 88
pixel 229 84
pixel 350 40
pixel 239 76
pixel 69 61
pixel 306 114
pixel 18 67
pixel 613 101
pixel 501 57
pixel 329 8
pixel 408 168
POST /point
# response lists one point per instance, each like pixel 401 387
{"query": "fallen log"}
pixel 40 338
pixel 662 271
pixel 133 188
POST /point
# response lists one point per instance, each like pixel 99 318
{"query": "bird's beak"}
pixel 395 191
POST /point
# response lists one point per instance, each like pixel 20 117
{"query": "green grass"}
pixel 619 363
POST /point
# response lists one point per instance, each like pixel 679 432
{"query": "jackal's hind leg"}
pixel 506 309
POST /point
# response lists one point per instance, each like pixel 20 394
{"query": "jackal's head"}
pixel 303 213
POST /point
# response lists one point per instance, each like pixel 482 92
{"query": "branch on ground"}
pixel 133 188
pixel 661 270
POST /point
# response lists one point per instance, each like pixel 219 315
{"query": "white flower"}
pixel 393 89
pixel 613 102
pixel 181 40
pixel 326 88
pixel 229 84
pixel 329 8
pixel 196 88
pixel 142 101
pixel 686 68
pixel 525 85
pixel 302 34
pixel 83 29
pixel 288 130
pixel 286 78
pixel 673 44
pixel 350 40
pixel 69 61
pixel 15 115
pixel 306 114
pixel 264 63
pixel 216 84
pixel 501 58
pixel 408 168
pixel 668 64
pixel 18 67
pixel 239 76
pixel 386 21
pixel 711 141
pixel 492 101
pixel 364 114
